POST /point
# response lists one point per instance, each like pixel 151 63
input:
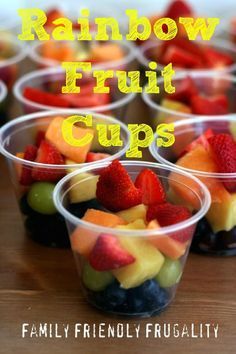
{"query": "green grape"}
pixel 170 273
pixel 40 198
pixel 94 280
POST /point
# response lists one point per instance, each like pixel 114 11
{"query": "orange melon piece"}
pixel 18 166
pixel 83 239
pixel 106 52
pixel 165 244
pixel 57 51
pixel 201 160
pixel 54 135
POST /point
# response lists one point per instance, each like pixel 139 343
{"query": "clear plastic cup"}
pixel 9 67
pixel 145 55
pixel 55 77
pixel 216 233
pixel 81 53
pixel 3 96
pixel 208 83
pixel 228 29
pixel 139 289
pixel 46 226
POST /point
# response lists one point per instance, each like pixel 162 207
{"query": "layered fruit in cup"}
pixel 206 147
pixel 3 107
pixel 42 90
pixel 39 156
pixel 196 94
pixel 130 242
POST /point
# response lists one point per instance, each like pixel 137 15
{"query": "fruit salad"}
pixel 39 157
pixel 130 241
pixel 207 149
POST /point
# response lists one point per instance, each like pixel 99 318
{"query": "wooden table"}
pixel 40 285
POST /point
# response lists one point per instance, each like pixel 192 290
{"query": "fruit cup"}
pixel 3 95
pixel 41 90
pixel 196 94
pixel 127 263
pixel 206 148
pixel 12 52
pixel 38 156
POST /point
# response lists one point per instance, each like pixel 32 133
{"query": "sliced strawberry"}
pixel 215 105
pixel 108 254
pixel 82 100
pixel 39 137
pixel 48 154
pixel 45 98
pixel 169 214
pixel 115 189
pixel 185 44
pixel 184 91
pixel 178 8
pixel 224 149
pixel 26 173
pixel 201 140
pixel 217 59
pixel 151 187
pixel 96 156
pixel 181 58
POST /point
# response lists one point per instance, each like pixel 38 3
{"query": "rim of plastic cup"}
pixel 100 229
pixel 131 55
pixel 58 70
pixel 21 51
pixel 218 43
pixel 3 91
pixel 35 116
pixel 195 75
pixel 154 149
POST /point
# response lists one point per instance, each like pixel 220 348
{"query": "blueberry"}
pixel 79 209
pixel 24 206
pixel 114 295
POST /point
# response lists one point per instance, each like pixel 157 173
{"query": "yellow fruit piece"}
pixel 83 187
pixel 164 117
pixel 222 216
pixel 146 266
pixel 134 213
pixel 138 224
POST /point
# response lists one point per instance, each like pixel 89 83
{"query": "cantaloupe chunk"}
pixel 54 135
pixel 83 239
pixel 134 213
pixel 165 244
pixel 106 52
pixel 18 166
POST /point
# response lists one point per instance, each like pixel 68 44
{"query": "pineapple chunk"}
pixel 138 224
pixel 134 213
pixel 222 216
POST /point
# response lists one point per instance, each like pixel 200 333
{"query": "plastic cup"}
pixel 42 79
pixel 145 55
pixel 3 96
pixel 216 233
pixel 45 226
pixel 9 67
pixel 227 30
pixel 116 291
pixel 211 84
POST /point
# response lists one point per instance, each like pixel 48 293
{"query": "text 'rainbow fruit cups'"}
pixel 38 156
pixel 41 90
pixel 206 148
pixel 3 96
pixel 12 52
pixel 196 94
pixel 130 243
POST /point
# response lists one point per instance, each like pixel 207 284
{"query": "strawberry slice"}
pixel 184 91
pixel 215 105
pixel 108 254
pixel 96 156
pixel 151 187
pixel 201 140
pixel 181 58
pixel 26 173
pixel 224 149
pixel 217 59
pixel 45 98
pixel 48 154
pixel 169 214
pixel 39 137
pixel 178 8
pixel 115 189
pixel 82 100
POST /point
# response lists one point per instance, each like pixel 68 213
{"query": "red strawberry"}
pixel 45 98
pixel 26 173
pixel 181 58
pixel 168 214
pixel 96 156
pixel 217 59
pixel 214 105
pixel 39 137
pixel 115 189
pixel 80 100
pixel 108 254
pixel 224 149
pixel 201 140
pixel 151 187
pixel 184 91
pixel 48 154
pixel 178 8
